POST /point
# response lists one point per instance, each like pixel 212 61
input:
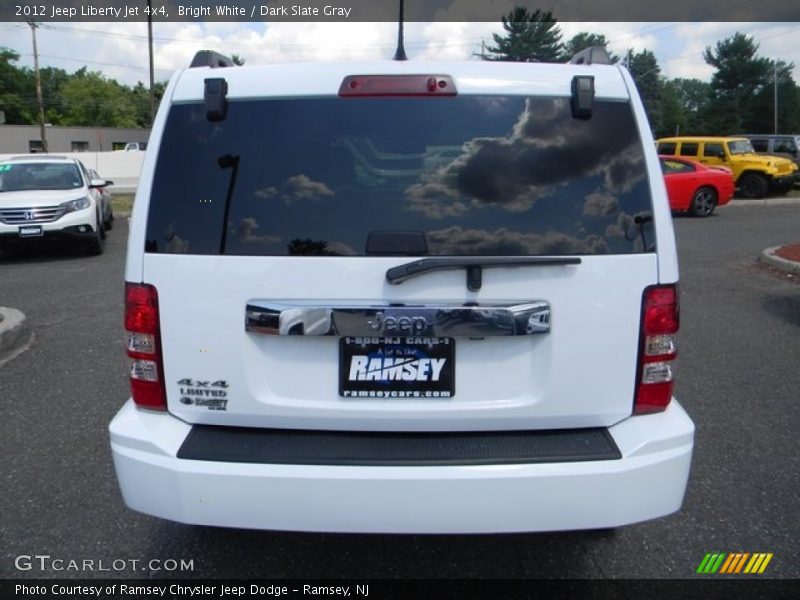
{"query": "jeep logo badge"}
pixel 404 324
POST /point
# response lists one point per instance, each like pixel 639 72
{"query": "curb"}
pixel 15 335
pixel 769 257
pixel 765 202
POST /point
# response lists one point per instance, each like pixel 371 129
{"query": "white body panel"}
pixel 526 382
pixel 648 482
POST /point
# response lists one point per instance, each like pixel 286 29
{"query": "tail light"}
pixel 143 344
pixel 657 350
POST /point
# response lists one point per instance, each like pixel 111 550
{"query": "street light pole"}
pixel 775 95
pixel 43 133
pixel 150 47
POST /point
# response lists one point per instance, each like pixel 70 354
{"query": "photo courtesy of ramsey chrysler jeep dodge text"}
pixel 402 297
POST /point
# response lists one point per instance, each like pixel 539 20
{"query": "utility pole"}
pixel 775 95
pixel 150 47
pixel 43 134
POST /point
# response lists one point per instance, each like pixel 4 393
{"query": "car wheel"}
pixel 753 185
pixel 704 202
pixel 109 222
pixel 98 241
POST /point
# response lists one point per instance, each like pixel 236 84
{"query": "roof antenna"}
pixel 400 53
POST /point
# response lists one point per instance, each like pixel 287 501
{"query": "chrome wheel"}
pixel 704 202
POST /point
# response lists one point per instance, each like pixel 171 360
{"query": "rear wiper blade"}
pixel 474 266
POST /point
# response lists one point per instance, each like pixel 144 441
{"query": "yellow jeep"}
pixel 755 174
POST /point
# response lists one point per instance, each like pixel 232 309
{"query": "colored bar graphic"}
pixel 728 564
pixel 734 563
pixel 711 563
pixel 759 562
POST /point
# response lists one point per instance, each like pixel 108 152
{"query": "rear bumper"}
pixel 649 481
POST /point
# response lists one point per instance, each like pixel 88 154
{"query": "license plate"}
pixel 30 231
pixel 397 367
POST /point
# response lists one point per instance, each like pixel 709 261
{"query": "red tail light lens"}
pixel 143 344
pixel 657 349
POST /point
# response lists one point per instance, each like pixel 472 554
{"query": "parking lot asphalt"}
pixel 737 377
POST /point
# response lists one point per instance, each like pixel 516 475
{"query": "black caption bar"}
pixel 383 589
pixel 387 10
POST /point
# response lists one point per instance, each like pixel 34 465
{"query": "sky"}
pixel 119 50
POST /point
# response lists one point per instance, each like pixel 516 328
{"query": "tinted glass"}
pixel 760 145
pixel 667 148
pixel 471 175
pixel 15 177
pixel 689 149
pixel 712 149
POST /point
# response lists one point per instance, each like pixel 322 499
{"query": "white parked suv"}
pixel 48 197
pixel 402 297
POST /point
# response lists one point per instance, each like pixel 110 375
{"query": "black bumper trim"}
pixel 307 447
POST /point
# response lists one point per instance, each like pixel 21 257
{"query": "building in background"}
pixel 23 139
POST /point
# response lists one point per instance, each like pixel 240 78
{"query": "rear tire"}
pixel 704 201
pixel 109 223
pixel 753 185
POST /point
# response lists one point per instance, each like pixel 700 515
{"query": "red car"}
pixel 695 187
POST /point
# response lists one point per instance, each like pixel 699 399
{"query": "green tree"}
pixel 694 96
pixel 672 114
pixel 91 99
pixel 740 76
pixel 17 98
pixel 760 116
pixel 581 41
pixel 530 37
pixel 140 96
pixel 646 73
pixel 52 81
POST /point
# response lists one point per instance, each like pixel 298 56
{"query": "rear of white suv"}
pixel 391 297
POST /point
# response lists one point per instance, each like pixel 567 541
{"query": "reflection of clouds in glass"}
pixel 298 187
pixel 341 249
pixel 619 229
pixel 503 242
pixel 625 171
pixel 599 204
pixel 547 149
pixel 245 231
pixel 175 243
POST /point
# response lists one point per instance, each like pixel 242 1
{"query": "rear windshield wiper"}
pixel 474 266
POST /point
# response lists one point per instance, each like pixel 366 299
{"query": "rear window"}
pixel 689 148
pixel 471 175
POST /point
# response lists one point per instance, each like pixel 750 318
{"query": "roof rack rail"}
pixel 593 55
pixel 209 58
